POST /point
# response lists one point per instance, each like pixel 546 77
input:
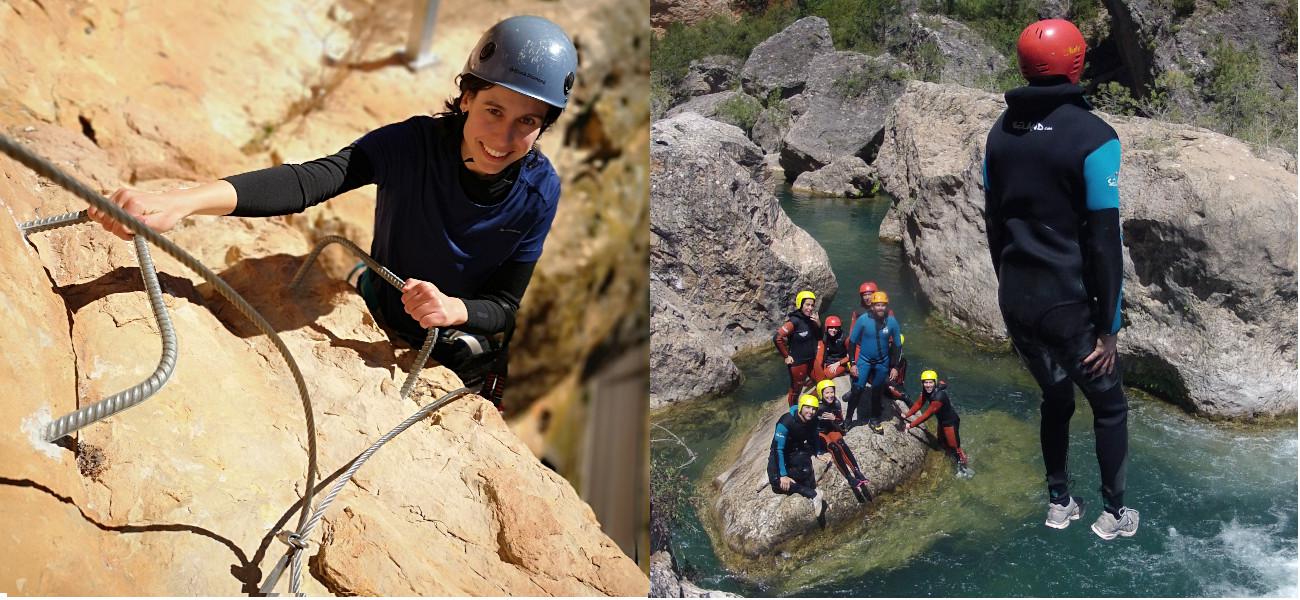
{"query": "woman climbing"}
pixel 464 203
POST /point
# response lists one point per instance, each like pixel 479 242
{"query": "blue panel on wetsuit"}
pixel 1101 176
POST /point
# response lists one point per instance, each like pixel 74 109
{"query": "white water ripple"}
pixel 1257 554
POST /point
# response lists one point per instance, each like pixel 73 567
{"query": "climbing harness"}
pixel 297 539
pixel 140 392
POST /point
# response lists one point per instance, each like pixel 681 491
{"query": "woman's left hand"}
pixel 432 308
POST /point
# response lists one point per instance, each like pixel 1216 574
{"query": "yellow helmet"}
pixel 880 297
pixel 801 296
pixel 809 400
pixel 822 385
pixel 929 375
pixel 901 339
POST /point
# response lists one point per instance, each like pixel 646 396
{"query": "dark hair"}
pixel 470 83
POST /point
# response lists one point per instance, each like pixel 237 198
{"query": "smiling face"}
pixel 807 307
pixel 500 128
pixel 880 308
pixel 806 412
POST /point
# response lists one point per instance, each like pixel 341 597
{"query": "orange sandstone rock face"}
pixel 181 494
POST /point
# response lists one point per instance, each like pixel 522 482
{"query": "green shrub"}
pixel 869 26
pixel 927 60
pixel 741 111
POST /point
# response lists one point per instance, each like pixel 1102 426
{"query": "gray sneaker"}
pixel 1107 526
pixel 1059 517
pixel 819 504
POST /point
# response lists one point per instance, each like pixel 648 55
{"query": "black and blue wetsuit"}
pixel 793 446
pixel 1051 183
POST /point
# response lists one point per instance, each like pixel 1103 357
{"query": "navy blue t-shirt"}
pixel 425 225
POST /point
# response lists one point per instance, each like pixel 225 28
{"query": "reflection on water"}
pixel 1218 501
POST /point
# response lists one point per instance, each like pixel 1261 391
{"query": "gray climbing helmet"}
pixel 529 55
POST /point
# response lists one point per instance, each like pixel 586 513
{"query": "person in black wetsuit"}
pixel 465 199
pixel 832 351
pixel 796 341
pixel 830 428
pixel 935 393
pixel 789 463
pixel 1051 188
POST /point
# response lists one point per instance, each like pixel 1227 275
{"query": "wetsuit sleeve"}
pixel 936 402
pixel 819 371
pixel 992 222
pixel 779 439
pixel 779 339
pixel 920 398
pixel 1102 241
pixel 855 340
pixel 493 308
pixel 292 188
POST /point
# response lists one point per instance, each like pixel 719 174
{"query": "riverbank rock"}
pixel 848 96
pixel 722 245
pixel 755 521
pixel 1209 245
pixel 710 75
pixel 666 583
pixel 946 51
pixel 847 177
pixel 780 63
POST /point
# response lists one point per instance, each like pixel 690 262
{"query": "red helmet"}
pixel 832 321
pixel 868 287
pixel 1051 47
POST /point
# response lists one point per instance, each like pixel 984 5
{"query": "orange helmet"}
pixel 880 297
pixel 1051 47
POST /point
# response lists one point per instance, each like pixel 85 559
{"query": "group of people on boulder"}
pixel 816 423
pixel 1051 186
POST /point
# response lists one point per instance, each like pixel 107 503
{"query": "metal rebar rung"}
pixel 166 363
pixel 373 264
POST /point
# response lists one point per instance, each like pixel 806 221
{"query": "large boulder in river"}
pixel 848 97
pixel 665 582
pixel 1209 245
pixel 847 177
pixel 754 521
pixel 780 63
pixel 721 244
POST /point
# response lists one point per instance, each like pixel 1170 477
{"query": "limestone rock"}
pixel 755 521
pixel 946 51
pixel 848 97
pixel 848 177
pixel 666 583
pixel 723 107
pixel 710 75
pixel 1209 245
pixel 684 362
pixel 780 63
pixel 721 244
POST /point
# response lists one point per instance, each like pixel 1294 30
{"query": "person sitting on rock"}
pixel 830 420
pixel 935 392
pixel 465 198
pixel 832 351
pixel 796 340
pixel 1051 214
pixel 789 465
pixel 878 346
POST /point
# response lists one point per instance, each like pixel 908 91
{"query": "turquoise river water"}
pixel 1218 501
